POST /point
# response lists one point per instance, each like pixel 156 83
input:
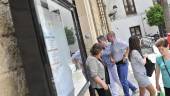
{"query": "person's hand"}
pixel 112 60
pixel 145 55
pixel 158 87
pixel 105 86
pixel 144 59
pixel 124 59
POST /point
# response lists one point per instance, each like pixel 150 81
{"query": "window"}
pixel 59 28
pixel 135 31
pixel 129 6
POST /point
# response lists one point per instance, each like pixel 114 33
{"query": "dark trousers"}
pixel 103 92
pixel 122 70
pixel 92 91
pixel 167 91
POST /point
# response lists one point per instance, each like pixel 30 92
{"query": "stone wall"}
pixel 12 75
pixel 87 23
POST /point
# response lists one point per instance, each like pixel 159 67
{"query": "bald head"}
pixel 111 36
pixel 111 33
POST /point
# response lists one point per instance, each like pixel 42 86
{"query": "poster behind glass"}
pixel 62 48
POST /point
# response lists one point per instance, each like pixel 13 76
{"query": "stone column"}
pixel 12 75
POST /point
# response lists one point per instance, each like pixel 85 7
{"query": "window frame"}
pixel 135 32
pixel 129 7
pixel 32 46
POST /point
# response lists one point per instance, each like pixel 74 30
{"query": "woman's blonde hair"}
pixel 162 42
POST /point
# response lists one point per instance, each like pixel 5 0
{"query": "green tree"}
pixel 70 35
pixel 155 17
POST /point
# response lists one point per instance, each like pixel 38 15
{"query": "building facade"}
pixel 12 74
pixel 129 18
pixel 166 6
pixel 93 20
pixel 36 58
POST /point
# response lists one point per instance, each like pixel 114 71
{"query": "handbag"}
pixel 150 67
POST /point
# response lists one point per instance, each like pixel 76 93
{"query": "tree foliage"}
pixel 70 35
pixel 155 16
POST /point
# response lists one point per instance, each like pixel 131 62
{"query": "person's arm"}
pixel 157 75
pixel 112 58
pixel 125 56
pixel 74 61
pixel 102 83
pixel 111 54
pixel 126 52
pixel 144 59
pixel 125 46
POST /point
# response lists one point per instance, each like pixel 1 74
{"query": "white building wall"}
pixel 168 1
pixel 142 5
pixel 123 22
pixel 120 10
pixel 121 27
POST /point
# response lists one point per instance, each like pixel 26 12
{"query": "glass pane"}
pixel 133 9
pixel 126 9
pixel 62 47
pixel 131 2
pixel 132 29
pixel 69 1
pixel 137 32
pixel 63 0
pixel 137 28
pixel 125 2
pixel 133 34
pixel 76 65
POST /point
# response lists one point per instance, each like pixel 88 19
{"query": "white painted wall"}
pixel 142 5
pixel 168 1
pixel 123 22
pixel 120 10
pixel 121 27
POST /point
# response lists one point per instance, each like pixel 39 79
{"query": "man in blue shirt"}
pixel 76 59
pixel 112 69
pixel 119 51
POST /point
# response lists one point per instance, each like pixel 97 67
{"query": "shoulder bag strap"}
pixel 165 66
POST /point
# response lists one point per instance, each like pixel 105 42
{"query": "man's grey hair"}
pixel 101 38
pixel 111 33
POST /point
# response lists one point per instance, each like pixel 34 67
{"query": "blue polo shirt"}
pixel 106 56
pixel 118 49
